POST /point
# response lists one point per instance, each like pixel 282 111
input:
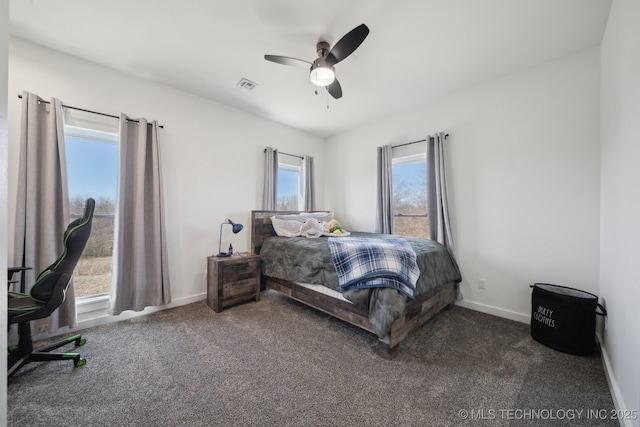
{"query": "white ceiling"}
pixel 417 51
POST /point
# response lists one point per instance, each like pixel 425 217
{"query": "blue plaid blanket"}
pixel 367 263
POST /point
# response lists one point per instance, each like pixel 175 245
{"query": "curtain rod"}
pixel 415 142
pixel 287 154
pixel 92 112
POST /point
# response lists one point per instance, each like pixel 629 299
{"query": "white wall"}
pixel 212 155
pixel 620 206
pixel 523 174
pixel 4 54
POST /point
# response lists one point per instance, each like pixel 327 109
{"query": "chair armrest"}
pixel 11 271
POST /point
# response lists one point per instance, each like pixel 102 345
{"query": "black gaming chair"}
pixel 46 295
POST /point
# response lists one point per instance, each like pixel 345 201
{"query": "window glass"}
pixel 290 185
pixel 410 195
pixel 92 171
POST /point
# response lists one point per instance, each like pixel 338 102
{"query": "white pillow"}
pixel 285 227
pixel 289 225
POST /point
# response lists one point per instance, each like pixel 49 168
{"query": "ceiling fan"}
pixel 322 71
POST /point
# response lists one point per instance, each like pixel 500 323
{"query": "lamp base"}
pixel 223 254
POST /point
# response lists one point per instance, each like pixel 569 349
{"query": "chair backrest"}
pixel 51 284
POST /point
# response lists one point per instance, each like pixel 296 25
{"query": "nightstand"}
pixel 232 280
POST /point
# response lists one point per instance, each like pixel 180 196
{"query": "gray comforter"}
pixel 299 259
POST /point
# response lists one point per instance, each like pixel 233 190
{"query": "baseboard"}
pixel 500 312
pixel 616 394
pixel 99 315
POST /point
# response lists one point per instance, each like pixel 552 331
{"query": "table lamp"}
pixel 236 228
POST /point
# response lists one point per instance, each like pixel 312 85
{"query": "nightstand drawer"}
pixel 239 291
pixel 240 271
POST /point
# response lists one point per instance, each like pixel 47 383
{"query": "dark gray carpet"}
pixel 277 362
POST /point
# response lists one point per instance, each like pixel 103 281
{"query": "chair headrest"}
pixel 78 232
pixel 88 209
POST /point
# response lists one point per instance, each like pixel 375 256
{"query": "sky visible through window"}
pixel 409 181
pixel 287 182
pixel 408 170
pixel 92 168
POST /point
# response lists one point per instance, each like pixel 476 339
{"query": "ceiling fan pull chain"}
pixel 327 100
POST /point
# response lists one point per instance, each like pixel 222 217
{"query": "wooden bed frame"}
pixel 417 312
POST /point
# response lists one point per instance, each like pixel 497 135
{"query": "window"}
pixel 410 195
pixel 290 184
pixel 92 171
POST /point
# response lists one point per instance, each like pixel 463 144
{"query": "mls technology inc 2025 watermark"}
pixel 547 414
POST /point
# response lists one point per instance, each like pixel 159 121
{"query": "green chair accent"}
pixel 46 295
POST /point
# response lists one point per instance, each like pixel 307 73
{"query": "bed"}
pixel 435 291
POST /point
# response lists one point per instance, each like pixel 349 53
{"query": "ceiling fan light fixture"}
pixel 322 74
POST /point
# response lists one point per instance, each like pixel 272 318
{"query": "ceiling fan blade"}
pixel 347 44
pixel 285 60
pixel 335 89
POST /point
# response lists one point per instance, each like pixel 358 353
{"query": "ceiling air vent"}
pixel 247 84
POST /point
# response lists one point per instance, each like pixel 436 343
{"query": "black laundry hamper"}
pixel 564 319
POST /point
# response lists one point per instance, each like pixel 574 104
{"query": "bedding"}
pixel 298 259
pixel 375 263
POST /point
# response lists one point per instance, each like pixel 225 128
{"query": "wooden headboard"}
pixel 261 227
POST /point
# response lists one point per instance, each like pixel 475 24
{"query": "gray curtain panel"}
pixel 437 197
pixel 140 275
pixel 384 213
pixel 42 206
pixel 309 184
pixel 270 189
